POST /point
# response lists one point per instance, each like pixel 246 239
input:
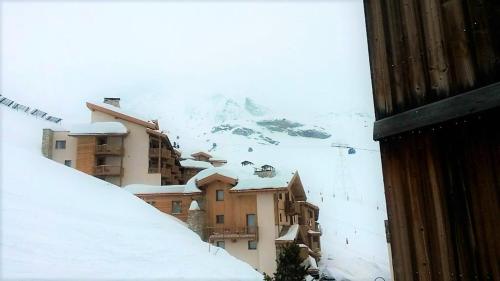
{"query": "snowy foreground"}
pixel 57 222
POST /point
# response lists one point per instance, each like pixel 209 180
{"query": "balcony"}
pixel 165 172
pixel 108 149
pixel 246 232
pixel 155 152
pixel 108 170
pixel 292 208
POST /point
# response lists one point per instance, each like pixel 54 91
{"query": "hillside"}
pixel 58 223
pixel 348 188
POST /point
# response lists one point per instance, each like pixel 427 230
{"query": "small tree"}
pixel 289 265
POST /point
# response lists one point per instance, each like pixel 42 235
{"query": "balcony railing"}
pixel 108 149
pixel 249 232
pixel 165 172
pixel 292 208
pixel 155 152
pixel 108 170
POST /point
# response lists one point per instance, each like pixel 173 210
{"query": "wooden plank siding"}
pixel 423 51
pixel 164 203
pixel 440 150
pixel 85 154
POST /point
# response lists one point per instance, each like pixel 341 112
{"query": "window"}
pixel 279 196
pixel 252 245
pixel 60 144
pixel 280 218
pixel 67 163
pixel 219 219
pixel 176 207
pixel 220 244
pixel 152 203
pixel 219 195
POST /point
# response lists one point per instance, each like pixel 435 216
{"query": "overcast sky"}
pixel 314 56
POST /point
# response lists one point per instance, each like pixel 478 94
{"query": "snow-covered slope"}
pixel 58 223
pixel 348 188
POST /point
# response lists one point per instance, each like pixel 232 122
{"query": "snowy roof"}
pixel 313 232
pixel 154 189
pixel 118 112
pixel 194 206
pixel 311 262
pixel 99 128
pixel 256 182
pixel 291 234
pixel 190 163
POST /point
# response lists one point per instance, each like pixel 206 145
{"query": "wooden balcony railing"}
pixel 248 232
pixel 108 149
pixel 292 208
pixel 155 152
pixel 108 170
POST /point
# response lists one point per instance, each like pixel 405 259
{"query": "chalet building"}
pixel 252 217
pixel 203 156
pixel 120 148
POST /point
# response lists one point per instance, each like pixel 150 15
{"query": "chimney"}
pixel 112 101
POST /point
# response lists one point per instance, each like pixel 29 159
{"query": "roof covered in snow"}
pixel 290 235
pixel 155 189
pixel 99 128
pixel 190 163
pixel 256 182
pixel 120 113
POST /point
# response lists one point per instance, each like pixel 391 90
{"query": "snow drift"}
pixel 60 223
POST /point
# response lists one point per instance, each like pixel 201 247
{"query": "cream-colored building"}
pixel 117 147
pixel 250 215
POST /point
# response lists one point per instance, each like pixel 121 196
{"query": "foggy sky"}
pixel 292 55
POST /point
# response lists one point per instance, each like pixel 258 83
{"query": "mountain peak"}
pixel 253 108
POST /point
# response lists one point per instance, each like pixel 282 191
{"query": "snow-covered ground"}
pixel 348 188
pixel 58 223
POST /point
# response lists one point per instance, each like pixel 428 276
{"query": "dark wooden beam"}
pixel 441 111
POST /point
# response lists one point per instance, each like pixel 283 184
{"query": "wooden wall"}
pixel 443 201
pixel 85 154
pixel 441 181
pixel 164 203
pixel 235 206
pixel 426 50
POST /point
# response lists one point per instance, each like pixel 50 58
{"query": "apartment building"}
pixel 252 216
pixel 120 148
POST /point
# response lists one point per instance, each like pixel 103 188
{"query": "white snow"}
pixel 256 182
pixel 291 234
pixel 155 189
pixel 311 262
pixel 98 128
pixel 194 206
pixel 190 163
pixel 59 223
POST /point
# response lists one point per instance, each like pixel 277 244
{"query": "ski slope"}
pixel 58 223
pixel 348 188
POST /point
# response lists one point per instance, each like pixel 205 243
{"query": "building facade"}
pixel 252 217
pixel 120 148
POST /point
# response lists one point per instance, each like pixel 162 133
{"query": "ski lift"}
pixel 53 119
pixel 38 113
pixel 6 101
pixel 19 106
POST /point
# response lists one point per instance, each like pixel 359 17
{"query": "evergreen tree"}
pixel 289 265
